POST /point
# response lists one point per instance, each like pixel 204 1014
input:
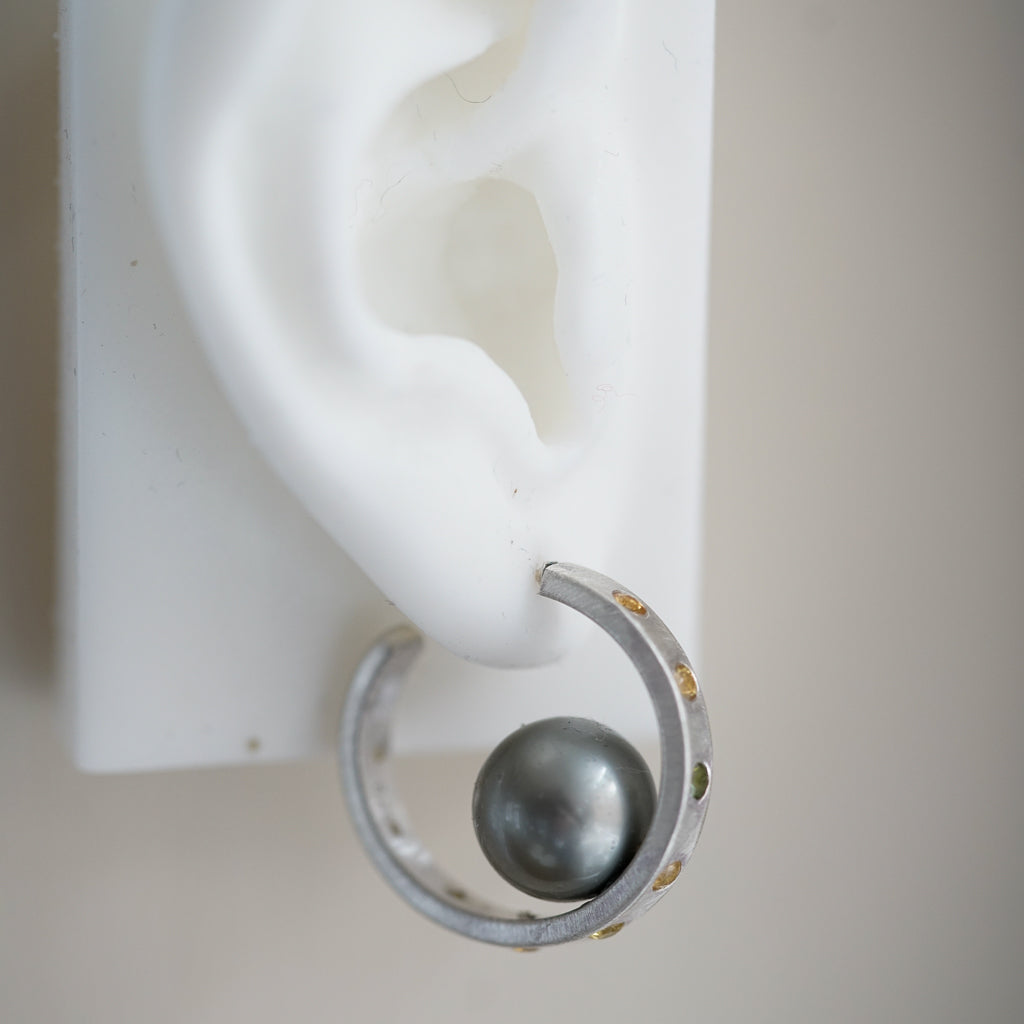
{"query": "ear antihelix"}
pixel 479 218
pixel 447 103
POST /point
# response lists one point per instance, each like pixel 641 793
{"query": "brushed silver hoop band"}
pixel 683 790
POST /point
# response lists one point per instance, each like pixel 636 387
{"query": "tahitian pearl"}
pixel 561 806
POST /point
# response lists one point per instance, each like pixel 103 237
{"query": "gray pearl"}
pixel 561 806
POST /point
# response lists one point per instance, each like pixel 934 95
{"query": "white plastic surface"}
pixel 208 617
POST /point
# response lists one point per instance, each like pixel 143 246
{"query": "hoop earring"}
pixel 664 845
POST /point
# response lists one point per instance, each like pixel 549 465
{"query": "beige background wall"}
pixel 864 606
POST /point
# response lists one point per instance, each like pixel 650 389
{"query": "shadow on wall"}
pixel 28 346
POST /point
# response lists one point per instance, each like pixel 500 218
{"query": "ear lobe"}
pixel 401 324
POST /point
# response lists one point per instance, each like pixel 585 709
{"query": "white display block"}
pixel 205 617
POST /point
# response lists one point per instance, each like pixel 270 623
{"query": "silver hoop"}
pixel 683 791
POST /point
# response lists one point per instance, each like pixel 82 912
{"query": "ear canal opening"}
pixel 474 260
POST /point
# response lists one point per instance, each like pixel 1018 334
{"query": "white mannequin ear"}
pixel 400 228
